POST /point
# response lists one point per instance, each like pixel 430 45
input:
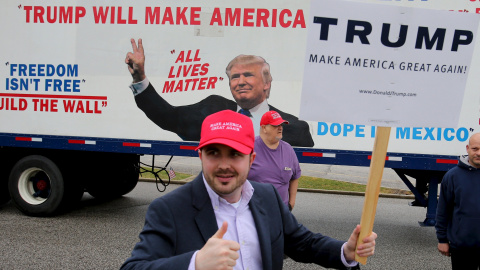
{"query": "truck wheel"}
pixel 114 184
pixel 36 186
pixel 4 195
pixel 4 172
pixel 109 184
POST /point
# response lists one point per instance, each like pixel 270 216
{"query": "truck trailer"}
pixel 70 121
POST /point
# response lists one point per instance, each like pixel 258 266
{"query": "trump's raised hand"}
pixel 136 61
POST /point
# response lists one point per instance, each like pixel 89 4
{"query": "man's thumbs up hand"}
pixel 217 252
pixel 221 232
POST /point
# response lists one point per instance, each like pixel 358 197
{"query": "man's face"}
pixel 247 85
pixel 274 133
pixel 473 150
pixel 225 170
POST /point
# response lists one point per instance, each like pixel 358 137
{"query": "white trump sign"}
pixel 385 65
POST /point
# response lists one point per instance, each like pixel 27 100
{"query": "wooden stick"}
pixel 377 165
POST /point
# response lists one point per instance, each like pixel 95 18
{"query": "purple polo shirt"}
pixel 275 166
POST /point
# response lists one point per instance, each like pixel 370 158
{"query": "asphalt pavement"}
pixel 101 234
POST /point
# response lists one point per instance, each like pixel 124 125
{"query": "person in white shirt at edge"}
pixel 220 220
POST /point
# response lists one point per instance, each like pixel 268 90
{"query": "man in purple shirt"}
pixel 222 221
pixel 276 162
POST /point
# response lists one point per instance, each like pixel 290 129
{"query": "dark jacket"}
pixel 186 121
pixel 180 222
pixel 458 211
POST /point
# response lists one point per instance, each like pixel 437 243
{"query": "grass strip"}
pixel 304 182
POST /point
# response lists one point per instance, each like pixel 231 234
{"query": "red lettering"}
pixel 51 19
pixel 152 15
pixel 299 19
pixel 66 14
pixel 80 107
pixel 211 82
pixel 130 16
pixel 168 87
pixel 262 17
pixel 38 14
pixel 282 18
pixel 96 108
pixel 79 13
pixel 182 58
pixel 181 16
pixel 120 20
pixel 88 110
pixel 190 84
pixel 201 85
pixel 248 16
pixel 231 18
pixel 53 105
pixel 27 15
pixel 258 18
pixel 54 14
pixel 168 17
pixel 274 18
pixel 195 15
pixel 195 69
pixel 100 14
pixel 204 69
pixel 216 17
pixel 68 105
pixel 179 86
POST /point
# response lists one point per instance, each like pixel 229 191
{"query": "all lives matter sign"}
pixel 385 65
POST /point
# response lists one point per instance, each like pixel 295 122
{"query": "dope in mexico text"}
pixel 401 133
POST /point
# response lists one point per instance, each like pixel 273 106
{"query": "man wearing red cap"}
pixel 222 221
pixel 276 162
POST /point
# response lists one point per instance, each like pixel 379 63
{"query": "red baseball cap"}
pixel 229 128
pixel 272 118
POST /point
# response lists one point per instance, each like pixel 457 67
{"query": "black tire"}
pixel 36 186
pixel 4 173
pixel 74 188
pixel 113 184
pixel 4 194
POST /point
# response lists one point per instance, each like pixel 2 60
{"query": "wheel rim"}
pixel 34 186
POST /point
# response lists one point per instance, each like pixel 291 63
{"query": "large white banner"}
pixel 385 65
pixel 63 68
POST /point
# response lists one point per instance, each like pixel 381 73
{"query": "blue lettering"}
pixel 461 131
pixel 41 70
pixel 322 128
pixel 13 68
pixel 60 70
pixel 32 69
pixel 16 84
pixel 22 70
pixel 360 131
pixel 337 127
pixel 446 136
pixel 429 134
pixel 416 133
pixel 403 133
pixel 50 70
pixel 76 85
pixel 347 128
